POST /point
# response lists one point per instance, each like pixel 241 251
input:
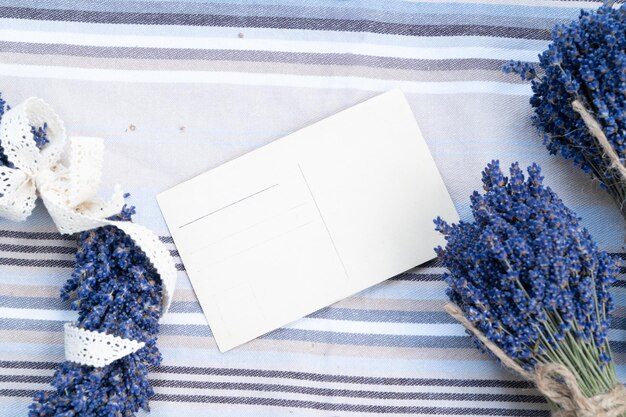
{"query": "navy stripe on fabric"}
pixel 55 263
pixel 19 234
pixel 37 249
pixel 325 392
pixel 51 263
pixel 341 25
pixel 329 392
pixel 316 405
pixel 4 247
pixel 391 11
pixel 304 376
pixel 416 276
pixel 357 408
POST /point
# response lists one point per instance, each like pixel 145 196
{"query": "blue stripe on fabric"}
pixel 403 290
pixel 53 276
pixel 405 17
pixel 299 375
pixel 276 34
pixel 34 302
pixel 280 22
pixel 394 316
pixel 357 339
pixel 34 351
pixel 397 367
pixel 385 290
pixel 171 409
pixel 26 276
pixel 334 406
pixel 316 391
pixel 328 313
pixel 317 336
pixel 385 7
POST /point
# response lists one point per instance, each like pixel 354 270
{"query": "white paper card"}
pixel 309 219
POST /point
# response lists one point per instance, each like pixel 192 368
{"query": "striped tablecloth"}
pixel 177 87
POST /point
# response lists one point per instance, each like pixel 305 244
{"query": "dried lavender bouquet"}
pixel 531 287
pixel 579 95
pixel 116 290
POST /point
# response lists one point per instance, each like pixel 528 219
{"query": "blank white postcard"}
pixel 309 219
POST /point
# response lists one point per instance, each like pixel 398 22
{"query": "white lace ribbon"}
pixel 66 174
pixel 95 348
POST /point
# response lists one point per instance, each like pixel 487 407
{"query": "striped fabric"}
pixel 177 87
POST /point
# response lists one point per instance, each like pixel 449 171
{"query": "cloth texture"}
pixel 177 87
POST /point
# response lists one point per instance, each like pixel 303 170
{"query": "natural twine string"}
pixel 596 131
pixel 555 381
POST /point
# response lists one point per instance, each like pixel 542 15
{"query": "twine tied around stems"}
pixel 555 381
pixel 596 131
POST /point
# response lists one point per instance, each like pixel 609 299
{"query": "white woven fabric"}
pixel 94 348
pixel 66 174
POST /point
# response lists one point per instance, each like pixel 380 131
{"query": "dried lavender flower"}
pixel 115 290
pixel 531 279
pixel 586 63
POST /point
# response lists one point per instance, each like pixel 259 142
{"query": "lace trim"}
pixel 96 349
pixel 66 174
